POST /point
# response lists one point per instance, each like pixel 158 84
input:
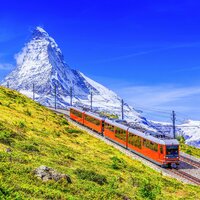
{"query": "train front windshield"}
pixel 172 151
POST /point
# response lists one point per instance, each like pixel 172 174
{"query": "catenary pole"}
pixel 71 96
pixel 91 95
pixel 122 109
pixel 173 123
pixel 55 95
pixel 33 91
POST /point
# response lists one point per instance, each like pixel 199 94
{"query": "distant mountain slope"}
pixel 31 136
pixel 191 132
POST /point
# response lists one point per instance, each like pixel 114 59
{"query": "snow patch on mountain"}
pixel 191 132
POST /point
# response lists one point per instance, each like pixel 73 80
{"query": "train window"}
pixel 76 113
pixel 172 151
pixel 120 133
pixel 151 145
pixel 161 149
pixel 144 141
pixel 109 127
pixel 135 140
pixel 105 126
pixel 92 120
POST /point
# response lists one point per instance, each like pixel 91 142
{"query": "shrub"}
pixel 4 192
pixel 148 190
pixel 74 131
pixel 6 137
pixel 57 134
pixel 117 163
pixel 8 104
pixel 11 94
pixel 21 124
pixel 188 151
pixel 28 112
pixel 63 121
pixel 181 139
pixel 91 176
pixel 1 126
pixel 30 147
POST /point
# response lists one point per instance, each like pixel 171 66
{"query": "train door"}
pixel 102 126
pixel 83 118
pixel 161 152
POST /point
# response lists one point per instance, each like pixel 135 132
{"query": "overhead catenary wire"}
pixel 81 99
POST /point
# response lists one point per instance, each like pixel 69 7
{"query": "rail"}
pixel 190 161
pixel 185 175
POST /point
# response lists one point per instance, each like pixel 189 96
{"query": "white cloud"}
pixel 6 66
pixel 164 98
pixel 157 95
pixel 19 57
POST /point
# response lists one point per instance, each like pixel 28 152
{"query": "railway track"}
pixel 176 172
pixel 185 175
pixel 190 161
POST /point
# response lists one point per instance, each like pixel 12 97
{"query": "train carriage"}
pixel 116 132
pixel 93 122
pixel 77 115
pixel 153 148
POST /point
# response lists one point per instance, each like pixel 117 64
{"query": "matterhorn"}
pixel 42 71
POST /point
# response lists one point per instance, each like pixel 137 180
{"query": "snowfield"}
pixel 191 131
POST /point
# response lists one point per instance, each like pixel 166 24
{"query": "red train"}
pixel 159 149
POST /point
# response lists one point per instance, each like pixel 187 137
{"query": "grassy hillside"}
pixel 188 149
pixel 38 137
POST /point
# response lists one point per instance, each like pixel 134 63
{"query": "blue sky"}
pixel 146 51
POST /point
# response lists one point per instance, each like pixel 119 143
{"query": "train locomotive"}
pixel 159 149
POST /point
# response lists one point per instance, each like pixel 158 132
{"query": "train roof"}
pixel 152 136
pixel 114 123
pixel 95 116
pixel 88 113
pixel 147 135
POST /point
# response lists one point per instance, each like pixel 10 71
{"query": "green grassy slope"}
pixel 188 149
pixel 38 137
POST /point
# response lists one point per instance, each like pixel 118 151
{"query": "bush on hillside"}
pixel 148 190
pixel 117 163
pixel 91 176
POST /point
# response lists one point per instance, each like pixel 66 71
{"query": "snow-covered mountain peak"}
pixel 41 63
pixel 39 32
